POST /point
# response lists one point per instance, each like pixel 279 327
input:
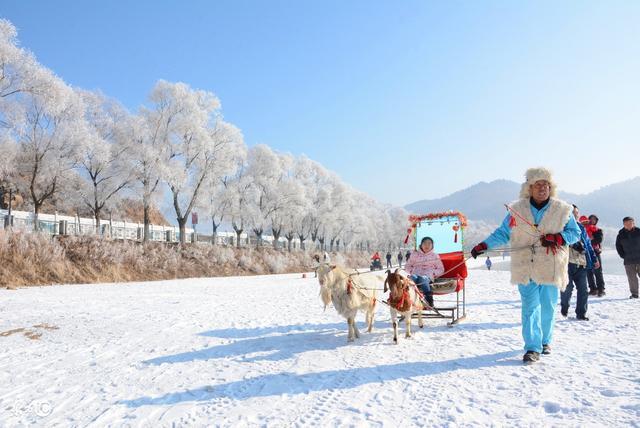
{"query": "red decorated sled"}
pixel 446 230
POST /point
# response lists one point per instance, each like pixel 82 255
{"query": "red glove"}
pixel 478 249
pixel 552 240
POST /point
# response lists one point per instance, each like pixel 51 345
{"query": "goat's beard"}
pixel 325 295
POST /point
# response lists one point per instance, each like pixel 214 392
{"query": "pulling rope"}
pixel 512 222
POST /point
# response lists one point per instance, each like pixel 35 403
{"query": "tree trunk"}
pixel 289 237
pixel 97 218
pixel 214 233
pixel 276 237
pixel 36 214
pixel 238 233
pixel 147 221
pixel 182 224
pixel 258 233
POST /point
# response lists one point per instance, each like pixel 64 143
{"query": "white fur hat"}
pixel 536 174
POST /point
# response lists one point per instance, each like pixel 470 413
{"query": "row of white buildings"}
pixel 56 224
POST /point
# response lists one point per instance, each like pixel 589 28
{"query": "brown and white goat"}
pixel 404 298
pixel 349 293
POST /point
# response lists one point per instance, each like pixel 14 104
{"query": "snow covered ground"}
pixel 260 351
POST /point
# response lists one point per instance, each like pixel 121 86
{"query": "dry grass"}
pixel 10 332
pixel 30 333
pixel 37 259
pixel 33 335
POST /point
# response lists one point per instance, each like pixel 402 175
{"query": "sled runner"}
pixel 446 230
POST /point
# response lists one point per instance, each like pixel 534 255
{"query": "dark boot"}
pixel 531 357
pixel 429 298
pixel 546 349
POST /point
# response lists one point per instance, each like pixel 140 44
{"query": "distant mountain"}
pixel 482 201
pixel 485 201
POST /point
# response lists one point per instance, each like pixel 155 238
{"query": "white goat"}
pixel 404 298
pixel 349 293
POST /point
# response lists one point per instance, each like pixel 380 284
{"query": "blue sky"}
pixel 404 100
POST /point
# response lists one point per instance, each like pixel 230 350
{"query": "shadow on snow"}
pixel 291 383
pixel 243 333
pixel 286 345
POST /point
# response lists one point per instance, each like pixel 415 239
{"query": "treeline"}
pixel 66 147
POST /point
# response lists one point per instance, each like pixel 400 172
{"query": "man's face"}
pixel 629 224
pixel 540 190
pixel 592 220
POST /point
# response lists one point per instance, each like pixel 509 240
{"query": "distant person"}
pixel 316 264
pixel 628 247
pixel 540 257
pixel 581 259
pixel 423 267
pixel 388 257
pixel 407 255
pixel 376 263
pixel 400 256
pixel 488 263
pixel 594 276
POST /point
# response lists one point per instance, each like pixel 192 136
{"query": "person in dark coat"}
pixel 628 247
pixel 400 256
pixel 582 258
pixel 407 255
pixel 388 257
pixel 594 276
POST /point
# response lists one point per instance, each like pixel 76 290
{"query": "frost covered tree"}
pixel 144 134
pixel 198 143
pixel 243 194
pixel 39 120
pixel 219 191
pixel 266 170
pixel 290 196
pixel 19 71
pixel 336 218
pixel 48 127
pixel 8 152
pixel 102 157
pixel 315 180
pixel 399 221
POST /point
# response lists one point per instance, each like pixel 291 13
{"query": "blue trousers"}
pixel 577 277
pixel 538 314
pixel 423 282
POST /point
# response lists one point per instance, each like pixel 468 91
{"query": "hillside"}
pixel 485 201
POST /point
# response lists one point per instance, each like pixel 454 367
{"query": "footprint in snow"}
pixel 551 407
